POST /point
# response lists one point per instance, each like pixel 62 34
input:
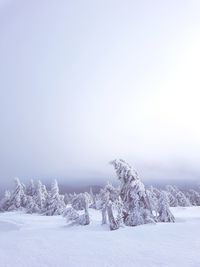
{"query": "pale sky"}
pixel 84 82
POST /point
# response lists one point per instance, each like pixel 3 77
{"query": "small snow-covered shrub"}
pixel 73 216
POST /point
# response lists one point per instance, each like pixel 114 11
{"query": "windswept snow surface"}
pixel 40 241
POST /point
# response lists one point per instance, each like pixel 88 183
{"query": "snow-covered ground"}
pixel 40 241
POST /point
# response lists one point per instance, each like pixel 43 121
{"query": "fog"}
pixel 84 82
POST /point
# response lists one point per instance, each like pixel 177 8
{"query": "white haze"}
pixel 83 82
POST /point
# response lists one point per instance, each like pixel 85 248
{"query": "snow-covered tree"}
pixel 164 212
pixel 71 196
pixel 55 202
pixel 98 201
pixel 84 219
pixel 40 197
pixel 133 194
pixel 153 196
pixel 177 197
pixel 66 199
pixel 172 200
pixel 78 201
pixel 5 202
pixel 93 199
pixel 73 216
pixel 113 222
pixel 45 192
pixel 134 218
pixel 31 189
pixel 194 197
pixel 172 189
pixel 183 201
pixel 37 198
pixel 31 206
pixel 110 202
pixel 17 198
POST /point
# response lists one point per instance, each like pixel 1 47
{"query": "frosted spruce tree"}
pixel 31 206
pixel 55 202
pixel 45 193
pixel 40 197
pixel 164 212
pixel 18 197
pixel 78 201
pixel 133 195
pixel 84 219
pixel 5 202
pixel 66 199
pixel 173 202
pixel 31 189
pixel 92 196
pixel 153 195
pixel 183 201
pixel 36 198
pixel 179 199
pixel 194 197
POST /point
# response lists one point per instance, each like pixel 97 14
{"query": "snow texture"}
pixel 31 240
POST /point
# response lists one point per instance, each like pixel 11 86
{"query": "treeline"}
pixel 34 199
pixel 128 204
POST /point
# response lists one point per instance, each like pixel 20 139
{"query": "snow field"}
pixel 47 241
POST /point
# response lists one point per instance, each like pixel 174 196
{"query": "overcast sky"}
pixel 84 82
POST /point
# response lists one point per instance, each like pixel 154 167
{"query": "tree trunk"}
pixel 104 215
pixel 113 224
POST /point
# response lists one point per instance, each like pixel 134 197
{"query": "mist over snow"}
pixel 85 82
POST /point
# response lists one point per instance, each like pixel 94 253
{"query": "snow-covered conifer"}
pixel 66 199
pixel 31 206
pixel 135 217
pixel 132 191
pixel 113 223
pixel 5 202
pixel 55 202
pixel 172 200
pixel 109 201
pixel 40 197
pixel 73 216
pixel 165 214
pixel 179 199
pixel 93 199
pixel 78 201
pixel 84 219
pixel 183 201
pixel 31 189
pixel 45 192
pixel 17 196
pixel 194 197
pixel 153 195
